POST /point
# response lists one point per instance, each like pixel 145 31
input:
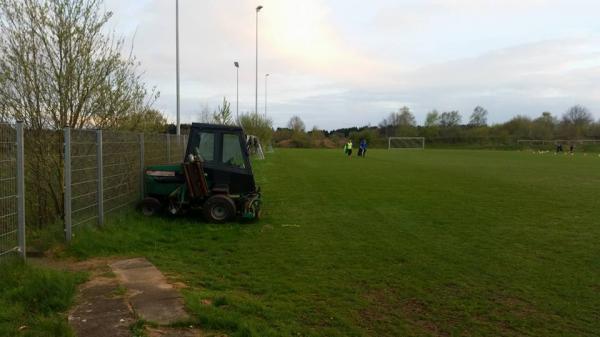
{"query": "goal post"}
pixel 592 145
pixel 416 143
pixel 254 146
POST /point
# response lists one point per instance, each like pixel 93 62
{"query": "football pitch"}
pixel 401 243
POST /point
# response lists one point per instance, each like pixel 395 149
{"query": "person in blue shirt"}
pixel 362 148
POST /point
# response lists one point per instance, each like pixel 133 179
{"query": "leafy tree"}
pixel 149 120
pixel 544 127
pixel 432 119
pixel 518 127
pixel 450 119
pixel 478 117
pixel 223 115
pixel 257 125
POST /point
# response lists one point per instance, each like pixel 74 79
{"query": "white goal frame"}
pixel 258 151
pixel 557 141
pixel 421 141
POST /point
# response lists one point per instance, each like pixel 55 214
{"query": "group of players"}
pixel 362 148
pixel 559 148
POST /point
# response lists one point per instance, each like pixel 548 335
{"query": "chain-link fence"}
pixel 103 171
pixel 80 176
pixel 83 177
pixel 12 209
pixel 164 148
pixel 122 169
pixel 8 190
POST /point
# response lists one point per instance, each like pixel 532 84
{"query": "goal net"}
pixel 579 145
pixel 254 146
pixel 406 143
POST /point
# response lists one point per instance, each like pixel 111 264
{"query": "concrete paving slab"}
pixel 151 296
pixel 100 312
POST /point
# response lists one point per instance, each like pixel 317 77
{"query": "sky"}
pixel 343 63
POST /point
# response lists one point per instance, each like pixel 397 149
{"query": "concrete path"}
pixel 152 298
pixel 120 293
pixel 101 312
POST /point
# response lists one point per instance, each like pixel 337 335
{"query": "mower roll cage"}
pixel 217 162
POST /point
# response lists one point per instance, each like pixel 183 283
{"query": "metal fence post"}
pixel 142 166
pixel 67 182
pixel 168 148
pixel 21 234
pixel 100 171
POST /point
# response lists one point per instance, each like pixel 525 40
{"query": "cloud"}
pixel 339 63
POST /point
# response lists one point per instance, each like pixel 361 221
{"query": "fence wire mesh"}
pixel 8 191
pixel 164 148
pixel 106 184
pixel 84 178
pixel 122 170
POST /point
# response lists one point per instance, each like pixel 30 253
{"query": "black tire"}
pixel 219 209
pixel 150 206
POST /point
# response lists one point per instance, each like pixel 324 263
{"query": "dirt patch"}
pixel 516 306
pixel 386 307
pixel 95 267
pixel 172 332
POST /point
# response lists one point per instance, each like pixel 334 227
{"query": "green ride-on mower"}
pixel 215 177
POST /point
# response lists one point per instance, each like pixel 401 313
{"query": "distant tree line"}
pixel 449 129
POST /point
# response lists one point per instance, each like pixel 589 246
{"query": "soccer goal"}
pixel 254 146
pixel 591 145
pixel 417 143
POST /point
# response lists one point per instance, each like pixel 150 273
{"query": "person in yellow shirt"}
pixel 348 148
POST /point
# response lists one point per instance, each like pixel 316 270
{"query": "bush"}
pixel 257 125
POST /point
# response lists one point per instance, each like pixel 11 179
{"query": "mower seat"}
pixel 195 179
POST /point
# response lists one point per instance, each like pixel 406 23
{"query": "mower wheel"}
pixel 219 208
pixel 150 206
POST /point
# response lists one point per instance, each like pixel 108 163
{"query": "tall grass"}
pixel 33 300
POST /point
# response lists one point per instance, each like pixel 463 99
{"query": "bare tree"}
pixel 402 123
pixel 478 117
pixel 59 68
pixel 576 121
pixel 296 125
pixel 205 115
pixel 578 115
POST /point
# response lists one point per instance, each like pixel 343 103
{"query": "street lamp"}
pixel 237 104
pixel 266 77
pixel 177 63
pixel 256 74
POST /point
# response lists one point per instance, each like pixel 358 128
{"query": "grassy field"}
pixel 403 243
pixel 33 301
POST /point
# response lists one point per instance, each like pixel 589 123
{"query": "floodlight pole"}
pixel 266 77
pixel 256 74
pixel 237 104
pixel 177 65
